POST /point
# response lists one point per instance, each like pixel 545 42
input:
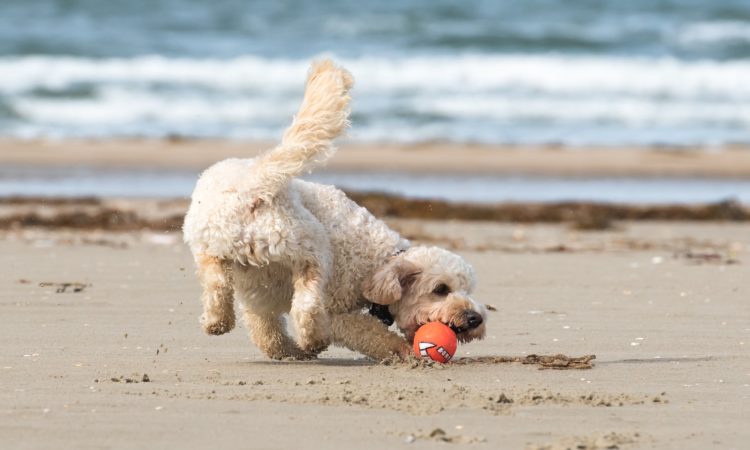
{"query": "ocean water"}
pixel 83 182
pixel 583 72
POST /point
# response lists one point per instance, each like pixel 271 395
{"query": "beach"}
pixel 591 163
pixel 102 348
pixel 427 157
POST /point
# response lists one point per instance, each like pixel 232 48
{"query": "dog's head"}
pixel 428 284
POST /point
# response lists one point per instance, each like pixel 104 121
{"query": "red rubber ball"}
pixel 436 341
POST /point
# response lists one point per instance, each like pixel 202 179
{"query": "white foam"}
pixel 627 110
pixel 23 73
pixel 469 73
pixel 119 105
pixel 474 97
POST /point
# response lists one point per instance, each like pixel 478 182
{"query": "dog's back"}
pixel 233 189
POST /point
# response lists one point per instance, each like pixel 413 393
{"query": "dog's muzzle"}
pixel 470 320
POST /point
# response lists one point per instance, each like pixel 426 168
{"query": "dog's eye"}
pixel 442 290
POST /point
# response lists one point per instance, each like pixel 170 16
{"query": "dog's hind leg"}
pixel 215 275
pixel 308 309
pixel 265 295
pixel 267 332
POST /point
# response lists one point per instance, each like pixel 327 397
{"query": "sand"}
pixel 116 359
pixel 101 346
pixel 424 157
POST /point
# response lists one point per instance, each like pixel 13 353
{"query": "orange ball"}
pixel 436 341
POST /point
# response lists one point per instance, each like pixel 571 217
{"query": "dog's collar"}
pixel 382 313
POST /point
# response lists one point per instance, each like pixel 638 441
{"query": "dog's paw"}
pixel 303 356
pixel 216 326
pixel 313 342
pixel 396 350
pixel 300 356
pixel 291 353
pixel 313 336
pixel 312 346
pixel 403 352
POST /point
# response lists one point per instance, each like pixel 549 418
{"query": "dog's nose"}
pixel 473 319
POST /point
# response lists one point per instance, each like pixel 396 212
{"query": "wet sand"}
pixel 421 158
pixel 119 359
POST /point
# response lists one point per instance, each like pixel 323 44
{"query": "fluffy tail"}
pixel 324 114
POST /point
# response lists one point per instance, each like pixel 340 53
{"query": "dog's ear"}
pixel 388 283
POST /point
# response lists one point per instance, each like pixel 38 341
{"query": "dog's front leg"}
pixel 366 334
pixel 215 276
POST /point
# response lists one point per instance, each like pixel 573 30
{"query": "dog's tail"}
pixel 324 114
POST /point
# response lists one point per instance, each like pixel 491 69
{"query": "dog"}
pixel 281 245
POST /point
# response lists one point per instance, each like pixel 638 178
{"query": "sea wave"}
pixel 493 98
pixel 548 73
pixel 715 32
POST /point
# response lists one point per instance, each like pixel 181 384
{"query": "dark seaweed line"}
pixel 93 213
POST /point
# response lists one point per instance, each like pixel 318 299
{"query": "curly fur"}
pixel 282 245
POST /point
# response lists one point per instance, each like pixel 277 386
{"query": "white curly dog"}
pixel 282 245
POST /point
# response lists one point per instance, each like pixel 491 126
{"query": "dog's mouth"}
pixel 466 322
pixel 458 329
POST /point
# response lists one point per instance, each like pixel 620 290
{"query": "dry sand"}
pixel 119 361
pixel 425 157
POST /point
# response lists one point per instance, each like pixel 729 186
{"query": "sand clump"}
pixel 555 362
pixel 135 378
pixel 64 287
pixel 607 441
pixel 410 395
pixel 440 435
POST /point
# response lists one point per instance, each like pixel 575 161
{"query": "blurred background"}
pixel 584 74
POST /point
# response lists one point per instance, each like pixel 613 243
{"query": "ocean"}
pixel 575 73
pixel 488 189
